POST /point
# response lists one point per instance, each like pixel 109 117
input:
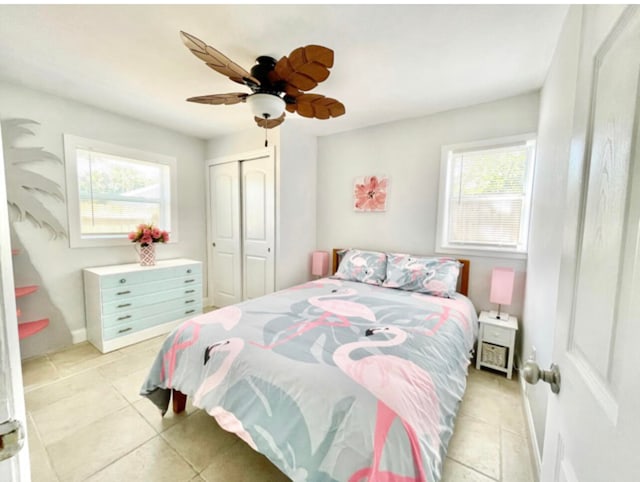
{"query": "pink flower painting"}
pixel 370 193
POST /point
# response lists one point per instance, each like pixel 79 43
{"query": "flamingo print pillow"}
pixel 365 266
pixel 432 276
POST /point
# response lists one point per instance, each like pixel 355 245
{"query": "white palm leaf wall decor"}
pixel 23 183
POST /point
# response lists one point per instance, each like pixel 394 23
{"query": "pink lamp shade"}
pixel 320 263
pixel 502 286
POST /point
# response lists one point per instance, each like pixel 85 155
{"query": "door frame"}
pixel 238 157
pixel 13 407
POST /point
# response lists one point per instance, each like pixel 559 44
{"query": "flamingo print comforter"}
pixel 331 380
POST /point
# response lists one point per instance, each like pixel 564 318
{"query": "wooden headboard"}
pixel 463 281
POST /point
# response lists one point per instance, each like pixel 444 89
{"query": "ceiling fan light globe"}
pixel 266 106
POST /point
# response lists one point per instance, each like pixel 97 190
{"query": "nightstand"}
pixel 496 343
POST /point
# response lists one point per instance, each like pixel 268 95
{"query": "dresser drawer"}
pixel 150 321
pixel 121 317
pixel 497 335
pixel 129 303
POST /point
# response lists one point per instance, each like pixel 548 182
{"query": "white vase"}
pixel 148 255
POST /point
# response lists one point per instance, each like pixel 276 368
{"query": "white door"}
pixel 593 424
pixel 12 411
pixel 225 239
pixel 258 212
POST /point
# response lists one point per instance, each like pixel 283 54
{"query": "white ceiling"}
pixel 391 62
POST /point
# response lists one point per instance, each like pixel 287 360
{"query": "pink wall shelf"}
pixel 25 290
pixel 29 328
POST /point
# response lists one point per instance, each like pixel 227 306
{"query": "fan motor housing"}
pixel 265 65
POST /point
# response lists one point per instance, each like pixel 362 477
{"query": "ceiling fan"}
pixel 275 85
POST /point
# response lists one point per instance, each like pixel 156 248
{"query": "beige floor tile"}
pixel 77 353
pixel 126 364
pixel 242 464
pixel 80 358
pixel 63 388
pixel 456 472
pixel 199 439
pixel 41 470
pixel 60 419
pixel 513 418
pixel 129 386
pixel 516 462
pixel 197 478
pixel 476 444
pixel 38 371
pixel 98 444
pixel 150 344
pixel 151 413
pixel 153 461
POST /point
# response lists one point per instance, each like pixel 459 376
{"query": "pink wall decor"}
pixel 370 193
pixel 320 263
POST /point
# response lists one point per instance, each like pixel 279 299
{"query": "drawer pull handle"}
pixel 124 305
pixel 124 317
pixel 123 280
pixel 189 291
pixel 125 330
pixel 123 292
pixel 188 271
pixel 189 311
pixel 189 280
pixel 189 301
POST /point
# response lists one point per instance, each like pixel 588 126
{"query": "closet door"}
pixel 258 226
pixel 225 250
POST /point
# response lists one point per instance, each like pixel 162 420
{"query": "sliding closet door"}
pixel 225 250
pixel 258 225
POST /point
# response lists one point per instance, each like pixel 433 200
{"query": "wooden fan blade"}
pixel 216 59
pixel 305 67
pixel 318 106
pixel 320 54
pixel 269 123
pixel 219 99
pixel 291 107
pixel 301 81
pixel 315 71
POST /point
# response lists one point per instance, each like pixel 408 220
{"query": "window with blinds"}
pixel 113 189
pixel 485 195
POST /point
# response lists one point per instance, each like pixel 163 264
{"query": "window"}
pixel 111 189
pixel 485 196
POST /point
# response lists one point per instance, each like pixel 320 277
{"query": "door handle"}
pixel 532 373
pixel 11 438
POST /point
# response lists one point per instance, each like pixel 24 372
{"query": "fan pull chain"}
pixel 266 120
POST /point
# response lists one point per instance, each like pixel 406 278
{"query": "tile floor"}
pixel 86 421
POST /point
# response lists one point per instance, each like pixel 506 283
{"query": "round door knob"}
pixel 531 373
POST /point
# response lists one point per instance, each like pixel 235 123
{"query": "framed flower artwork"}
pixel 370 193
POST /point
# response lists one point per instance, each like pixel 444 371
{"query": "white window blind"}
pixel 487 196
pixel 116 194
pixel 112 189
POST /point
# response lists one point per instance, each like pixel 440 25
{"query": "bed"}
pixel 332 380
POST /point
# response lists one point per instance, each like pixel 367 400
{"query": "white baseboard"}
pixel 533 439
pixel 78 336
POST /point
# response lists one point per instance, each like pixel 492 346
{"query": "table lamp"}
pixel 501 290
pixel 320 263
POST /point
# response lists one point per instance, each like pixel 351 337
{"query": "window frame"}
pixel 71 145
pixel 442 244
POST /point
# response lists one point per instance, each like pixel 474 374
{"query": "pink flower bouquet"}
pixel 147 234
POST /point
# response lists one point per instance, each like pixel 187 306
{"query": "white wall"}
pixel 295 193
pixel 409 153
pixel 548 211
pixel 60 266
pixel 298 181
